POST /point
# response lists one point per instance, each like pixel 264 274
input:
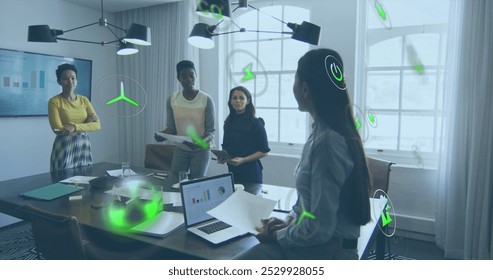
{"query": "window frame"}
pixel 368 37
pixel 277 147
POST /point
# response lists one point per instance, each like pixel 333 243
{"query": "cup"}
pixel 183 176
pixel 125 169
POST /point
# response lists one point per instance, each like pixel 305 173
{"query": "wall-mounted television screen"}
pixel 28 81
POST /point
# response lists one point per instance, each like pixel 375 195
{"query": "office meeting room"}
pixel 276 139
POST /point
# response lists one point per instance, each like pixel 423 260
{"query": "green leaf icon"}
pixel 358 123
pixel 371 117
pixel 381 11
pixel 248 73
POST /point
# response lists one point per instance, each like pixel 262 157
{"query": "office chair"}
pixel 379 174
pixel 56 236
pixel 379 179
pixel 159 156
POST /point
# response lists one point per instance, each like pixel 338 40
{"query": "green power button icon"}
pixel 334 69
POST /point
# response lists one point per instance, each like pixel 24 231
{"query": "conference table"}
pixel 178 244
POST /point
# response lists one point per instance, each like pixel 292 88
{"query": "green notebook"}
pixel 51 192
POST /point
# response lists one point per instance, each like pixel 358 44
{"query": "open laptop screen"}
pixel 200 196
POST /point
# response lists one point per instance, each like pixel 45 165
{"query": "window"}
pixel 273 60
pixel 402 77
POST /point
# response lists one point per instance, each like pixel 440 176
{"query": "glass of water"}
pixel 125 169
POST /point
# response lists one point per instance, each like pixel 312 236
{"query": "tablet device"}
pixel 222 154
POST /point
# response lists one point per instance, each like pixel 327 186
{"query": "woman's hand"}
pixel 67 129
pixel 92 118
pixel 236 161
pixel 268 231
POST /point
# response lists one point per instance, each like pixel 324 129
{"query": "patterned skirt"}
pixel 71 151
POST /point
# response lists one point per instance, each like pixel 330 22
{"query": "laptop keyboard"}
pixel 211 228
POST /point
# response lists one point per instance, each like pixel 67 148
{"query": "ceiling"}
pixel 113 6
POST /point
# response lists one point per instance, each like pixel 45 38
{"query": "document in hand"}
pixel 174 138
pixel 243 210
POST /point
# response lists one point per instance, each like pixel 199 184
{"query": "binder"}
pixel 51 192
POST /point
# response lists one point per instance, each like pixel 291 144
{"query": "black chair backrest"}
pixel 56 236
pixel 379 174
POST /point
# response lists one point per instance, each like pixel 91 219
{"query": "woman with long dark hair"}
pixel 332 178
pixel 244 139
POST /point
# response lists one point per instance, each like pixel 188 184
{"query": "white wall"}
pixel 25 142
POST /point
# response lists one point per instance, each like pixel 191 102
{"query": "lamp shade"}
pixel 201 36
pixel 40 33
pixel 126 48
pixel 219 9
pixel 138 34
pixel 306 32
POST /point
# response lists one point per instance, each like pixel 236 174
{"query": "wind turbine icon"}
pixel 122 97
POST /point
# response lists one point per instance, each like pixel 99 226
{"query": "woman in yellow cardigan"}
pixel 71 117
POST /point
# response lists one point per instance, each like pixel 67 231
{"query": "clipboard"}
pixel 222 154
pixel 51 192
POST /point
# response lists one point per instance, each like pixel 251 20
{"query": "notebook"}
pixel 201 195
pixel 51 192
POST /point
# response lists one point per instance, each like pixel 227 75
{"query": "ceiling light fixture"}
pixel 137 34
pixel 201 35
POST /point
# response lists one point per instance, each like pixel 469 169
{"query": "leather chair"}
pixel 159 156
pixel 56 237
pixel 379 174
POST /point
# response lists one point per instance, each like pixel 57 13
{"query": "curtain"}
pixel 154 67
pixel 464 221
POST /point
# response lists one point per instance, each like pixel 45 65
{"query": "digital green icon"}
pixel 371 117
pixel 386 219
pixel 192 133
pixel 334 69
pixel 303 215
pixel 380 10
pixel 248 73
pixel 419 68
pixel 357 122
pixel 119 216
pixel 217 12
pixel 122 97
pixel 214 9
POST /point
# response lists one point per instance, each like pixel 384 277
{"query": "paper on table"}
pixel 174 138
pixel 168 197
pixel 162 224
pixel 118 172
pixel 243 210
pixel 172 197
pixel 78 179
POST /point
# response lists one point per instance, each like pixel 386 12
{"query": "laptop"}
pixel 201 195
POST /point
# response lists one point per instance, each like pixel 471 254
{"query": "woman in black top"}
pixel 244 138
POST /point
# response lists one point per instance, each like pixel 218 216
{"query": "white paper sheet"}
pixel 162 224
pixel 243 210
pixel 174 138
pixel 118 172
pixel 78 179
